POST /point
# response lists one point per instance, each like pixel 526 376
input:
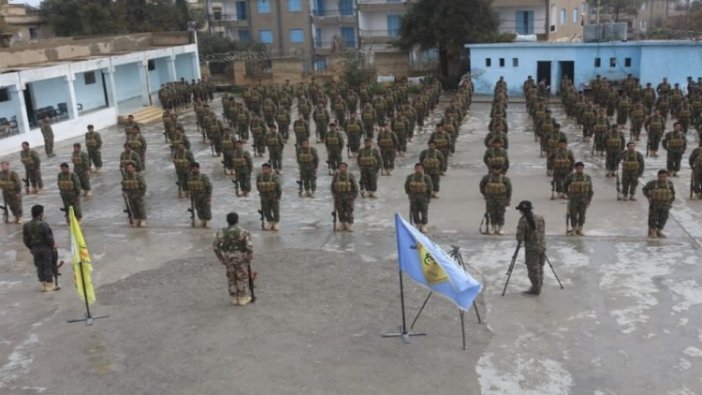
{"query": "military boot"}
pixel 491 230
pixel 625 197
pixel 50 286
pixel 275 227
pixel 660 234
pixel 235 301
pixel 349 227
pixel 42 286
pixel 244 300
pixel 533 291
pixel 204 223
pixel 632 198
pixel 142 223
pixel 579 230
pixel 18 220
pixel 652 233
pixel 499 230
pixel 35 191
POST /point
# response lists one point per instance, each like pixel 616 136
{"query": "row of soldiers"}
pixel 180 94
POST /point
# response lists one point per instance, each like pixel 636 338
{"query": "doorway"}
pixel 543 72
pixel 566 69
pixel 29 105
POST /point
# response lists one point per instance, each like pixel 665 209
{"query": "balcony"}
pixel 381 5
pixel 330 47
pixel 334 17
pixel 378 36
pixel 228 20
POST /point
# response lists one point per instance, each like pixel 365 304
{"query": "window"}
pixel 502 62
pixel 346 7
pixel 241 11
pixel 627 62
pixel 348 34
pixel 151 65
pixel 263 6
pixel 294 5
pixel 217 13
pixel 297 36
pixel 89 77
pixel 319 8
pixel 320 64
pixel 575 15
pixel 244 35
pixel 4 94
pixel 393 25
pixel 515 62
pixel 564 16
pixel 525 22
pixel 33 33
pixel 612 62
pixel 488 62
pixel 598 62
pixel 265 36
pixel 318 37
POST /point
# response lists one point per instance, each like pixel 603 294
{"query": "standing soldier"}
pixel 433 161
pixel 133 191
pixel 269 111
pixel 233 248
pixel 369 162
pixel 334 141
pixel 32 168
pixel 496 156
pixel 531 231
pixel 81 167
pixel 614 142
pixel 419 189
pixel 654 129
pixel 69 187
pixel 243 166
pixel 497 134
pixel 660 194
pixel 258 130
pixel 48 133
pixel 380 109
pixel 649 97
pixel 94 144
pixel 443 143
pixel 302 129
pixel 304 109
pixel 637 114
pixel 579 187
pixel 39 238
pixel 129 156
pixel 561 161
pixel 368 119
pixel 321 120
pixel 345 190
pixel 214 133
pixel 227 151
pixel 138 143
pixel 496 188
pixel 283 120
pixel 308 161
pixel 200 190
pixel 696 176
pixel 632 169
pixel 601 127
pixel 676 144
pixel 243 118
pixel 623 107
pixel 275 144
pixel 11 191
pixel 270 192
pixel 400 126
pixel 354 132
pixel 340 109
pixel 387 141
pixel 182 159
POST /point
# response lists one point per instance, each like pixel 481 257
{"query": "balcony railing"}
pixel 332 45
pixel 393 33
pixel 334 12
pixel 216 17
pixel 381 1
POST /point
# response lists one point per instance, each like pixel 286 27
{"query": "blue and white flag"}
pixel 432 267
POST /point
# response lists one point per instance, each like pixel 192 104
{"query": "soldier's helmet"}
pixel 524 205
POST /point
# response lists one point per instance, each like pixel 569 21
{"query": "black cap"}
pixel 524 205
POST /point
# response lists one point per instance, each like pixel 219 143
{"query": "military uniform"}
pixel 579 187
pixel 93 142
pixel 69 187
pixel 654 128
pixel 442 142
pixel 369 161
pixel 48 133
pixel 81 167
pixel 334 142
pixel 182 159
pixel 283 121
pixel 368 119
pixel 200 190
pixel 534 240
pixel 345 190
pixel 614 142
pixel 259 136
pixel 308 161
pixel 497 191
pixel 660 196
pixel 433 161
pixel 234 248
pixel 275 144
pixel 134 189
pixel 302 131
pixel 696 167
pixel 12 193
pixel 321 121
pixel 137 143
pixel 354 132
pixel 228 152
pixel 562 161
pixel 632 169
pixel 637 114
pixel 243 166
pixel 270 191
pixel 32 167
pixel 39 238
pixel 676 144
pixel 130 157
pixel 496 157
pixel 418 188
pixel 400 126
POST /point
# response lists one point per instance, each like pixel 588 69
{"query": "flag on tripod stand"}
pixel 432 267
pixel 79 253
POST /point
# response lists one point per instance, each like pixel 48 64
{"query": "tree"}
pixel 617 8
pixel 447 25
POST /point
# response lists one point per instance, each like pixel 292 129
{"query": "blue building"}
pixel 77 91
pixel 649 61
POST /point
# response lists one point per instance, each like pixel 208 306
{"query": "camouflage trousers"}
pixel 654 140
pixel 308 177
pixel 636 124
pixel 237 276
pixel 13 199
pixel 34 177
pixel 284 130
pixel 535 260
pixel 271 208
pixel 369 179
pixel 49 144
pixel 259 143
pixel 388 156
pixel 495 208
pixel 368 128
pixel 658 215
pixel 343 206
pixel 577 208
pixel 320 130
pixel 354 142
pixel 202 206
pixel 435 180
pixel 611 160
pixel 243 177
pixel 275 156
pixel 137 206
pixel 243 131
pixel 697 180
pixel 70 198
pixel 419 210
pixel 228 159
pixel 673 161
pixel 43 257
pixel 558 178
pixel 334 158
pixel 629 183
pixel 84 177
pixel 95 157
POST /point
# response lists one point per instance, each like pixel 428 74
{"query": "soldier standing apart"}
pixel 308 161
pixel 497 191
pixel 676 144
pixel 419 189
pixel 48 133
pixel 433 161
pixel 275 144
pixel 369 161
pixel 32 167
pixel 200 190
pixel 388 143
pixel 94 143
pixel 531 231
pixel 233 248
pixel 632 168
pixel 69 187
pixel 39 238
pixel 134 189
pixel 11 191
pixel 81 167
pixel 614 143
pixel 334 142
pixel 579 187
pixel 345 190
pixel 270 191
pixel 660 194
pixel 696 167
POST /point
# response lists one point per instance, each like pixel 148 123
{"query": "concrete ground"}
pixel 627 322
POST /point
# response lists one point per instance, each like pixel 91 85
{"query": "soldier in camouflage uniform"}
pixel 418 188
pixel 270 192
pixel 632 168
pixel 614 143
pixel 138 143
pixel 69 187
pixel 275 144
pixel 600 129
pixel 654 125
pixel 579 187
pixel 675 142
pixel 200 190
pixel 345 190
pixel 243 166
pixel 232 246
pixel 308 162
pixel 321 120
pixel 354 132
pixel 433 161
pixel 11 191
pixel 129 156
pixel 496 188
pixel 497 134
pixel 660 194
pixel 283 120
pixel 302 129
pixel 369 162
pixel 443 144
pixel 637 115
pixel 32 167
pixel 696 168
pixel 531 231
pixel 368 119
pixel 134 190
pixel 81 167
pixel 94 143
pixel 227 151
pixel 334 142
pixel 39 238
pixel 388 143
pixel 496 156
pixel 48 133
pixel 400 126
pixel 561 161
pixel 182 159
pixel 258 131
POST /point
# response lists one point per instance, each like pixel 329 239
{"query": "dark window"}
pixel 33 33
pixel 627 62
pixel 89 77
pixel 515 62
pixel 502 62
pixel 152 65
pixel 4 94
pixel 488 62
pixel 241 10
pixel 598 62
pixel 612 62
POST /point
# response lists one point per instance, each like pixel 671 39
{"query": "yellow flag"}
pixel 433 273
pixel 79 253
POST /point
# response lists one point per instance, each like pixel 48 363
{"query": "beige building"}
pixel 654 14
pixel 23 24
pixel 556 20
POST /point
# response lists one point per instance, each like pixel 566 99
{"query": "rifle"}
pixel 192 210
pixel 236 186
pixel 329 170
pixel 299 187
pixel 128 208
pixel 648 147
pixel 692 183
pixel 252 278
pixel 619 188
pixel 362 187
pixel 553 189
pixel 568 230
pixel 55 266
pixel 511 266
pixel 263 218
pixel 334 217
pixel 5 213
pixel 486 221
pixel 26 184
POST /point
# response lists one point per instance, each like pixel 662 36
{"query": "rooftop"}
pixel 631 43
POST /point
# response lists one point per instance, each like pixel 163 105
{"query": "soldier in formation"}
pixel 580 192
pixel 418 188
pixel 270 192
pixel 200 190
pixel 39 239
pixel 133 191
pixel 344 190
pixel 11 191
pixel 69 187
pixel 496 189
pixel 93 142
pixel 632 168
pixel 660 194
